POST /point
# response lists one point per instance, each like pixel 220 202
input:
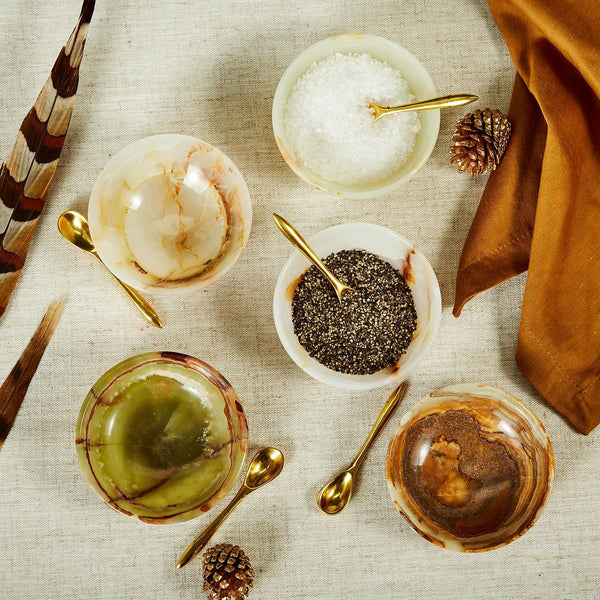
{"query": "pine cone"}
pixel 480 140
pixel 228 574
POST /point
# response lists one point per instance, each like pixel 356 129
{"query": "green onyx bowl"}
pixel 162 437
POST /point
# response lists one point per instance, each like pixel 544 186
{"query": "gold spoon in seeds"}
pixel 75 229
pixel 299 242
pixel 441 102
pixel 334 496
pixel 265 466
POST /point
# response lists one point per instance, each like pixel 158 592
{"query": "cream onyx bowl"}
pixel 403 256
pixel 170 212
pixel 419 82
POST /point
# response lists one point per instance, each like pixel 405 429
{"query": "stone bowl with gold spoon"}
pixel 419 83
pixel 403 256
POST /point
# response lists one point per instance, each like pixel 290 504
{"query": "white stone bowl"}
pixel 397 57
pixel 402 255
pixel 170 213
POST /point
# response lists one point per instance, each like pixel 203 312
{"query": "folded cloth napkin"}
pixel 540 210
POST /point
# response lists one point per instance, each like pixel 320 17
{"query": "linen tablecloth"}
pixel 210 69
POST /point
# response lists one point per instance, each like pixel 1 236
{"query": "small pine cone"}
pixel 228 574
pixel 480 140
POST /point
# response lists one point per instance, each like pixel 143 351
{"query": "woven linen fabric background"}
pixel 209 69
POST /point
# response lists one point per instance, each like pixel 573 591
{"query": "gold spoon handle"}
pixel 441 102
pixel 299 242
pixel 140 303
pixel 198 544
pixel 382 419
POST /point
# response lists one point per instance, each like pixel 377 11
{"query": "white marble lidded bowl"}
pixel 419 82
pixel 402 255
pixel 170 212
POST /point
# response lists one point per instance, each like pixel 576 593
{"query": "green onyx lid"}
pixel 162 437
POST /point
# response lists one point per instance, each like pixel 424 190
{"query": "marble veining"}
pixel 170 211
pixel 162 437
pixel 470 467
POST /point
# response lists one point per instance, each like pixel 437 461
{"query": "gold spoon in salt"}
pixel 441 102
pixel 75 229
pixel 299 242
pixel 334 496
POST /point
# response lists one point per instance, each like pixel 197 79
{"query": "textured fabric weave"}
pixel 210 69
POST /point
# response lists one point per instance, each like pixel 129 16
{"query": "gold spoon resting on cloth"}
pixel 75 229
pixel 334 496
pixel 441 102
pixel 299 242
pixel 265 466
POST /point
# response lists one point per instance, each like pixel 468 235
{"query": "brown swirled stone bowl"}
pixel 162 437
pixel 470 468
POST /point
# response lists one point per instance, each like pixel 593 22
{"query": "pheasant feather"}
pixel 13 390
pixel 28 170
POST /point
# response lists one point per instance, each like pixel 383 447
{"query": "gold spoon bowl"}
pixel 265 466
pixel 75 229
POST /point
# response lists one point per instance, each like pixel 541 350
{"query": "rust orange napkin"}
pixel 540 210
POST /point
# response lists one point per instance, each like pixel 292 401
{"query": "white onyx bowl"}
pixel 402 255
pixel 396 56
pixel 170 212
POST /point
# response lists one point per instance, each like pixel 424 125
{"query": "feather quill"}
pixel 15 387
pixel 28 170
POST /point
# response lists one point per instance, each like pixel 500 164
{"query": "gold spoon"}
pixel 299 242
pixel 441 102
pixel 265 466
pixel 75 229
pixel 334 496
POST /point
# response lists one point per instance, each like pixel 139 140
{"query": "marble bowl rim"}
pixel 374 45
pixel 531 418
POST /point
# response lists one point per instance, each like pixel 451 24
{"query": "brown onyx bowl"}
pixel 470 468
pixel 162 437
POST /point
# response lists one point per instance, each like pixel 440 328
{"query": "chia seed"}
pixel 372 327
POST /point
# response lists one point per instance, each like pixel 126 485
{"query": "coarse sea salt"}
pixel 331 129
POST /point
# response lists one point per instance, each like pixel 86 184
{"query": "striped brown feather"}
pixel 30 167
pixel 13 390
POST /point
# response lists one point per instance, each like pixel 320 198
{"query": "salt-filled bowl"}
pixel 170 212
pixel 420 85
pixel 403 256
pixel 470 467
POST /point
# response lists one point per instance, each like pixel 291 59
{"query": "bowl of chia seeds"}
pixel 381 330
